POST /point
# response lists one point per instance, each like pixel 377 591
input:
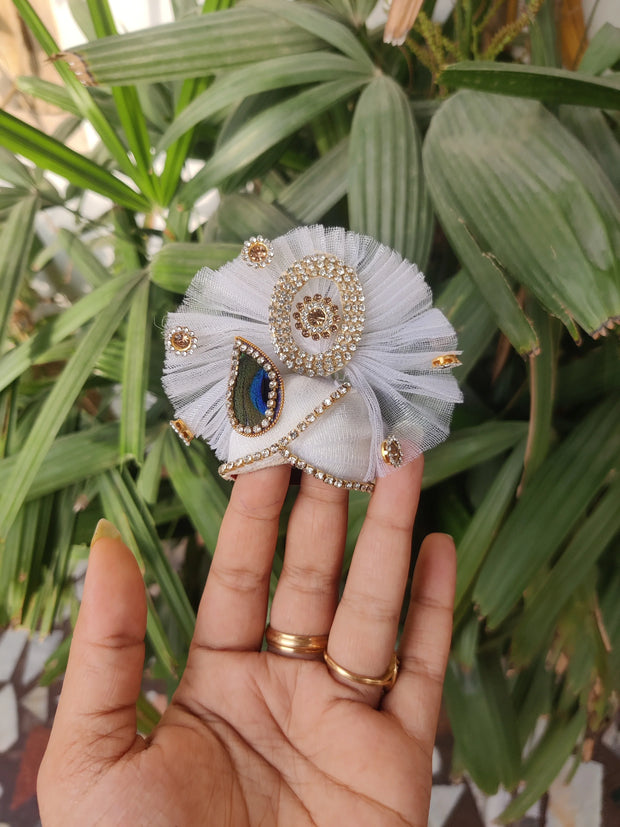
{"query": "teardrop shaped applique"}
pixel 255 390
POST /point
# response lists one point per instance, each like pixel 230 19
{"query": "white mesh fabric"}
pixel 397 392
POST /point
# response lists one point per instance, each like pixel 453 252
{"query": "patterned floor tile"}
pixel 37 653
pixel 611 739
pixel 25 788
pixel 37 702
pixel 611 784
pixel 579 802
pixel 444 798
pixel 490 806
pixel 465 814
pixel 12 645
pixel 9 723
pixel 437 763
pixel 24 708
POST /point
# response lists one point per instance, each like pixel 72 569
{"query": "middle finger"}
pixel 307 591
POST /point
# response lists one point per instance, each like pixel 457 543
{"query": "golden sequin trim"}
pixel 447 360
pixel 182 429
pixel 329 479
pixel 392 452
pixel 79 66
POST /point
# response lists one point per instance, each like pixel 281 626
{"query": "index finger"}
pixel 233 608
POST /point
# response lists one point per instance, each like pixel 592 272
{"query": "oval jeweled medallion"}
pixel 255 391
pixel 335 325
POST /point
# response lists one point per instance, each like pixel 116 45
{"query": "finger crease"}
pixel 370 607
pixel 390 524
pixel 111 644
pixel 259 513
pixel 418 666
pixel 239 579
pixel 307 580
pixel 425 601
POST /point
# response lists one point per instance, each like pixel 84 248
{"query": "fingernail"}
pixel 106 530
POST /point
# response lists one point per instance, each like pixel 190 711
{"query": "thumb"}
pixel 102 683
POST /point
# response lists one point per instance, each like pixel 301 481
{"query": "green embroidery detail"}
pixel 244 394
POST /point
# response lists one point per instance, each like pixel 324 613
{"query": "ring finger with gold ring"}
pixel 307 647
pixel 360 651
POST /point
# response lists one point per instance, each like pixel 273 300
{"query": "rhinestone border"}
pixel 353 314
pixel 182 430
pixel 392 452
pixel 328 479
pixel 178 351
pixel 247 246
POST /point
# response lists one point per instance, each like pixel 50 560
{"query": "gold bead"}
pixel 183 430
pixel 257 251
pixel 182 341
pixel 447 360
pixel 391 451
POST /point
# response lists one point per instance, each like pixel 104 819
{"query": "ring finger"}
pixel 365 626
pixel 307 591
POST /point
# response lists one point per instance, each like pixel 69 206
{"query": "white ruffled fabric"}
pixel 395 389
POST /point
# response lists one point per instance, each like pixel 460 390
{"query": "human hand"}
pixel 251 737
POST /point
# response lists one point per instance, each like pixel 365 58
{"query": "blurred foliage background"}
pixel 486 149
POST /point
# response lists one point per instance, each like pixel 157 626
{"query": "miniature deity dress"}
pixel 320 349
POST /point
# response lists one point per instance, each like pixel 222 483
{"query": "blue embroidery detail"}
pixel 259 390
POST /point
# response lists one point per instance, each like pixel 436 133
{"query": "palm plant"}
pixel 506 194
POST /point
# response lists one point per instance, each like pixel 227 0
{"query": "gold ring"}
pixel 387 680
pixel 310 647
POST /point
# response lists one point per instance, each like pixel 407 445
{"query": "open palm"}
pixel 250 737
